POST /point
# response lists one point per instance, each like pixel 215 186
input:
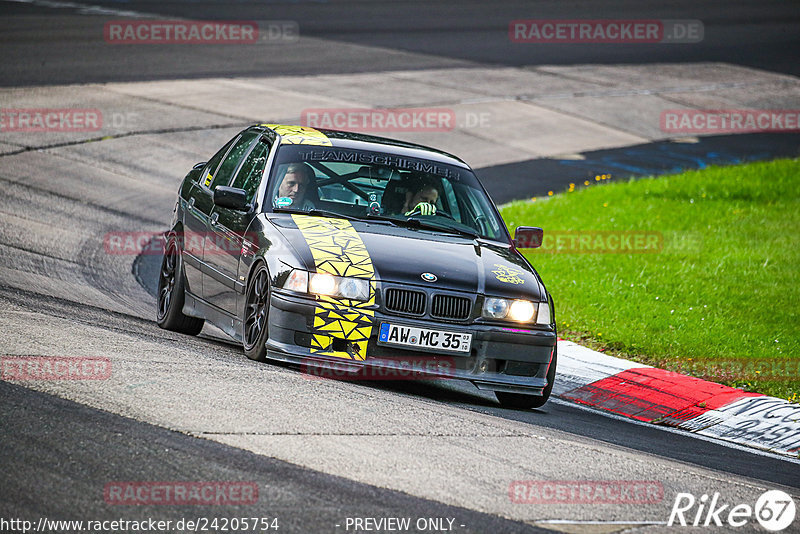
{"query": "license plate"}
pixel 423 338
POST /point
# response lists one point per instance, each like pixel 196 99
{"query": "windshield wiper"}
pixel 326 213
pixel 315 211
pixel 411 222
pixel 383 218
pixel 419 223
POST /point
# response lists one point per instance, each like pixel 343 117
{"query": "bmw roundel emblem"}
pixel 429 277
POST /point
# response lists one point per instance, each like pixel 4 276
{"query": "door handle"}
pixel 190 204
pixel 214 217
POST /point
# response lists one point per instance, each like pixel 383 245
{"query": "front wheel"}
pixel 171 296
pixel 256 315
pixel 520 401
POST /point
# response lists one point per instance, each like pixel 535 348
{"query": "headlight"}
pixel 520 311
pixel 495 308
pixel 354 288
pixel 328 285
pixel 322 284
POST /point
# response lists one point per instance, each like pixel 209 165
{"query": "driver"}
pixel 294 187
pixel 421 196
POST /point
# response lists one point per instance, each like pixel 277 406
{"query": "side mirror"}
pixel 528 237
pixel 231 198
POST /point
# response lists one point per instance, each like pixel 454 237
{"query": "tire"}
pixel 169 315
pixel 520 401
pixel 255 329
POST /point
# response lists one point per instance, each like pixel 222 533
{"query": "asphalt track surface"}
pixel 196 409
pixel 118 448
pixel 45 45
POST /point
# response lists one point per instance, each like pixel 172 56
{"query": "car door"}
pixel 223 241
pixel 197 209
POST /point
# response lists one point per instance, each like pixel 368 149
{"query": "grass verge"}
pixel 711 285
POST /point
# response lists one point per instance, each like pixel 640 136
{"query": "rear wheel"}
pixel 520 401
pixel 171 296
pixel 256 314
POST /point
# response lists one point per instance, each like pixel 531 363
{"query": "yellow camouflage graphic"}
pixel 507 274
pixel 300 135
pixel 338 250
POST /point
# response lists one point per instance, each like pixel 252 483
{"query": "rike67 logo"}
pixel 774 511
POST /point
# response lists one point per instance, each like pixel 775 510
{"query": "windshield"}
pixel 372 185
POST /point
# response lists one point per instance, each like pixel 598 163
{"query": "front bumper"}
pixel 502 358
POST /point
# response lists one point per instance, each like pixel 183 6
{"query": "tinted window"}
pixel 213 163
pixel 249 175
pixel 232 159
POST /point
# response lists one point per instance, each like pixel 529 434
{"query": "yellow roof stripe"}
pixel 300 135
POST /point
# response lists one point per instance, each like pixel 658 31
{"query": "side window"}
pixel 213 163
pixel 231 162
pixel 249 175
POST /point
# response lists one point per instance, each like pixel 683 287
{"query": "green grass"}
pixel 724 287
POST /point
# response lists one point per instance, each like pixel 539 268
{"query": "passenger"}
pixel 421 197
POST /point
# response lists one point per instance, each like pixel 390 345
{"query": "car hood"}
pixel 403 255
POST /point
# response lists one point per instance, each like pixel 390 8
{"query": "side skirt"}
pixel 194 306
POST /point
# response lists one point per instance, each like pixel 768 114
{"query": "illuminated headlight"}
pixel 328 285
pixel 521 311
pixel 322 284
pixel 338 286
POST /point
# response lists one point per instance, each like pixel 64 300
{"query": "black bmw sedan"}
pixel 336 249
